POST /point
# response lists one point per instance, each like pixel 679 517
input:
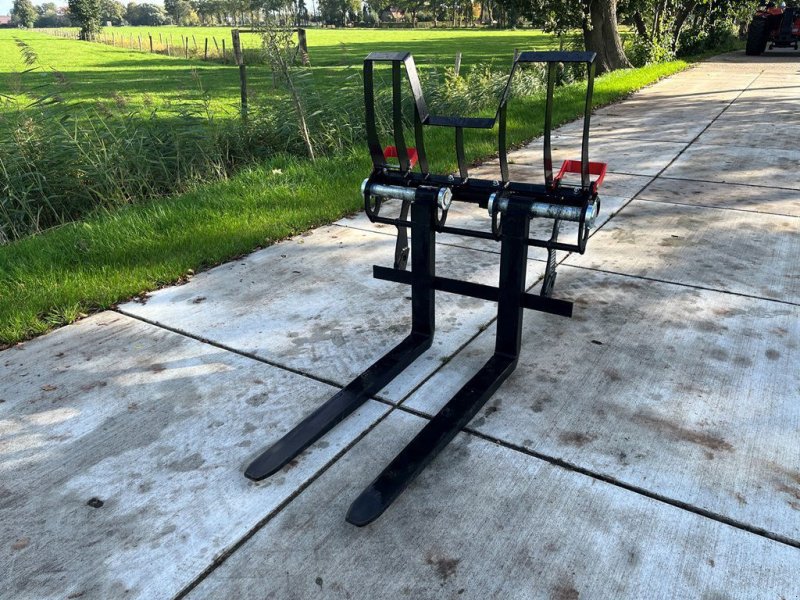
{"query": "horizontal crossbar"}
pixel 388 56
pixel 562 308
pixel 465 122
pixel 556 56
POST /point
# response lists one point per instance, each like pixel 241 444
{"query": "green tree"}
pixel 113 11
pixel 597 19
pixel 301 12
pixel 665 28
pixel 378 6
pixel 601 35
pixel 46 7
pixel 145 14
pixel 86 15
pixel 171 8
pixel 51 16
pixel 205 10
pixel 23 14
pixel 185 14
pixel 412 7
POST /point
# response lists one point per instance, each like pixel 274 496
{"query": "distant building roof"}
pixel 4 20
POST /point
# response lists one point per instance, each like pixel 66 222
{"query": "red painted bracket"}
pixel 574 166
pixel 391 152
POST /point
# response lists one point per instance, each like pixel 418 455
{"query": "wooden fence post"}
pixel 239 58
pixel 302 44
pixel 186 47
pixel 224 58
pixel 205 50
pixel 149 35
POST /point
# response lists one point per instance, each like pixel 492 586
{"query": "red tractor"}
pixel 778 26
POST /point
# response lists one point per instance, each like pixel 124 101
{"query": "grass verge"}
pixel 63 274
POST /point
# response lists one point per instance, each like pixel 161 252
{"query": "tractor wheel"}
pixel 756 37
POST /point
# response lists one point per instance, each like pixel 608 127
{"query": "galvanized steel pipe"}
pixel 409 194
pixel 550 211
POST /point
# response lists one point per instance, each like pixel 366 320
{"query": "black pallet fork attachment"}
pixel 428 197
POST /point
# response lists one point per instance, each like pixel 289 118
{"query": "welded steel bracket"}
pixel 511 206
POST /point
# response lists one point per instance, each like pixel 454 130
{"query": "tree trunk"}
pixel 680 19
pixel 600 34
pixel 638 22
pixel 657 20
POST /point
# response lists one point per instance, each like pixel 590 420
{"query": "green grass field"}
pixel 334 48
pixel 102 73
pixel 53 278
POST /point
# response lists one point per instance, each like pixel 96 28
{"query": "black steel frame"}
pixel 385 369
pixel 511 205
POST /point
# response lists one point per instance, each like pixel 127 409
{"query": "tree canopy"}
pixel 23 14
pixel 86 14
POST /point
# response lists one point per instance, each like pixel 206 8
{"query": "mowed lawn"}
pixel 100 73
pixel 97 73
pixel 335 47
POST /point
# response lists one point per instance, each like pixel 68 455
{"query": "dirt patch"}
pixel 21 544
pixel 445 567
pixel 676 431
pixel 538 405
pixel 708 326
pixel 576 438
pixel 789 490
pixel 565 591
pixel 185 465
pixel 90 386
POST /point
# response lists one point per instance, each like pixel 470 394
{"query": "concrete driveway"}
pixel 646 448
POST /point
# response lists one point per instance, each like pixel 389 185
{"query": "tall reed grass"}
pixel 61 159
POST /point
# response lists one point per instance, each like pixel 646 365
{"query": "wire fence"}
pixel 209 48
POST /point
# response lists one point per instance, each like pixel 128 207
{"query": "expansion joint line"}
pixel 710 123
